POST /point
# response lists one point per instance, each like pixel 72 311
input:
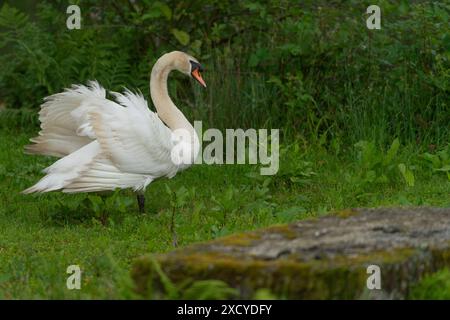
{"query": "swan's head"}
pixel 188 65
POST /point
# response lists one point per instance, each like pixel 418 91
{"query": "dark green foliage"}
pixel 310 67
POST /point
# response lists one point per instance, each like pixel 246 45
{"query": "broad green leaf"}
pixel 434 159
pixel 96 202
pixel 181 36
pixel 392 152
pixel 165 10
pixel 153 14
pixel 407 174
pixel 445 168
pixel 168 190
pixel 157 10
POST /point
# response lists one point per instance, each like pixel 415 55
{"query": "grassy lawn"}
pixel 40 236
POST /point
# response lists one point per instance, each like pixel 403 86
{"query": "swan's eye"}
pixel 195 65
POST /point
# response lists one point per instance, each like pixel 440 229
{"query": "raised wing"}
pixel 132 136
pixel 60 132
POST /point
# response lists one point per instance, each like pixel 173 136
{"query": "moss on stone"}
pixel 240 239
pixel 337 271
pixel 346 213
pixel 342 278
pixel 285 230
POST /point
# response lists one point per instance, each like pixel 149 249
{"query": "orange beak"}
pixel 196 74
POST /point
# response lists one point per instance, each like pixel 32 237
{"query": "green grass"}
pixel 435 286
pixel 42 235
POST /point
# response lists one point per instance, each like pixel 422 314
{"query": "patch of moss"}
pixel 285 230
pixel 240 239
pixel 346 213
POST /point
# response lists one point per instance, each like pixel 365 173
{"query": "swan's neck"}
pixel 166 109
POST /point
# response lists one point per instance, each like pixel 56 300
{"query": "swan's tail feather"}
pixel 86 171
pixel 66 169
pixel 51 182
pixel 102 175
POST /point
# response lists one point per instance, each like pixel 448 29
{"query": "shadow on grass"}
pixel 103 208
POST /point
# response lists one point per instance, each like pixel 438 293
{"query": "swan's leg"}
pixel 141 202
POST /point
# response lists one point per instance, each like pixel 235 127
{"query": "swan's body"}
pixel 105 145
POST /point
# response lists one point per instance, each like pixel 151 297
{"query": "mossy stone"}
pixel 325 258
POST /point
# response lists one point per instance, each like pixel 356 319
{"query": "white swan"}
pixel 104 145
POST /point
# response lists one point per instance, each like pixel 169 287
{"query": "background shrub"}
pixel 311 68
